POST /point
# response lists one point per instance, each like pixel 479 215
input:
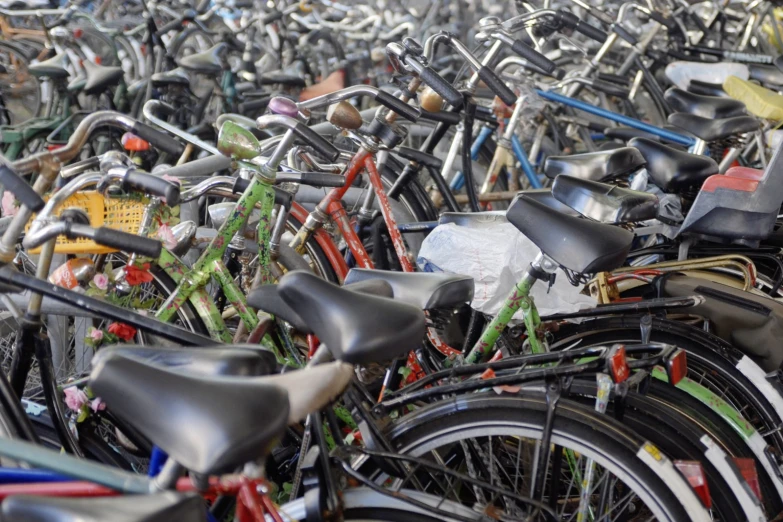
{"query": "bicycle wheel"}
pixel 363 504
pixel 681 435
pixel 19 90
pixel 711 362
pixel 496 438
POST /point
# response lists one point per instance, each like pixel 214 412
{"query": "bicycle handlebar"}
pixel 323 147
pixel 76 142
pixel 105 236
pixel 22 190
pixel 151 184
pixel 382 97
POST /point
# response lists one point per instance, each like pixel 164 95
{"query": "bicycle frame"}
pixel 191 282
pixel 362 161
pixel 90 479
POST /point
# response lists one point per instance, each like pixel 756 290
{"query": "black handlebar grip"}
pixel 452 118
pixel 283 198
pixel 126 242
pixel 665 21
pixel 699 22
pixel 254 106
pixel 592 32
pixel 200 167
pixel 157 138
pixel 63 20
pixel 624 34
pixel 614 78
pixel 398 106
pixel 442 87
pixel 171 26
pixel 326 149
pixel 497 85
pixel 322 179
pixel 610 88
pixel 533 56
pixel 20 188
pixel 152 184
pixel 240 185
pixel 166 109
pixel 274 16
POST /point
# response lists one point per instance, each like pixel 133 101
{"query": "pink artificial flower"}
pixel 75 398
pixel 97 405
pixel 96 335
pixel 8 204
pixel 101 281
pixel 172 179
pixel 166 235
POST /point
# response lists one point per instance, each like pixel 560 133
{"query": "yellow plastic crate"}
pixel 118 213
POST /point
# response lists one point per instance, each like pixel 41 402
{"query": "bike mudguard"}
pixel 752 323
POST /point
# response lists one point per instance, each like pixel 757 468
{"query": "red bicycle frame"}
pixel 363 161
pixel 252 506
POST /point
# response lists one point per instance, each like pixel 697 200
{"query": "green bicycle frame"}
pixel 191 282
pixel 518 299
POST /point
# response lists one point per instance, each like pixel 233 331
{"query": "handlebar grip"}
pixel 157 138
pixel 665 21
pixel 171 26
pixel 610 88
pixel 20 188
pixel 442 87
pixel 398 106
pixel 608 77
pixel 497 86
pixel 254 106
pixel 326 149
pixel 152 184
pixel 200 167
pixel 572 22
pixel 699 22
pixel 322 179
pixel 623 33
pixel 282 197
pixel 592 32
pixel 59 22
pixel 452 118
pixel 126 242
pixel 274 16
pixel 64 19
pixel 533 56
pixel 240 185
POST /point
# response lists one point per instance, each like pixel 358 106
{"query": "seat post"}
pixel 541 268
pixel 168 476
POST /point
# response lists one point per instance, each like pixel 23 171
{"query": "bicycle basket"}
pixel 118 213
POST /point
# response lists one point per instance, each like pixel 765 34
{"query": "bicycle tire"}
pixel 95 448
pixel 706 353
pixel 679 436
pixel 365 504
pixel 575 426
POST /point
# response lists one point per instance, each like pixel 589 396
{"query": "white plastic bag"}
pixel 496 256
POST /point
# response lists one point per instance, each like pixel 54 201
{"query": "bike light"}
pixel 618 364
pixel 677 367
pixel 694 473
pixel 78 33
pixel 747 468
pixel 98 60
pixel 133 143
